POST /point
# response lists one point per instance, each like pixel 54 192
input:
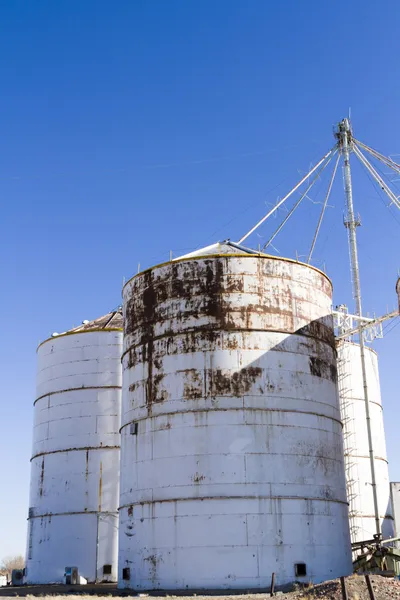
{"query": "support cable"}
pixel 395 323
pixel 395 189
pixel 323 209
pixel 286 219
pixel 392 197
pixel 387 161
pixel 381 196
pixel 287 195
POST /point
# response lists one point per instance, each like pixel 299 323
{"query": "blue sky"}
pixel 130 129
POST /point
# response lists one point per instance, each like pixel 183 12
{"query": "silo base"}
pixel 71 541
pixel 231 544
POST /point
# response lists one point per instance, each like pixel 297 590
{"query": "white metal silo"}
pixel 73 514
pixel 231 439
pixel 357 461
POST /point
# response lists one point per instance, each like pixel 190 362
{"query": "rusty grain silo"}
pixel 356 447
pixel 73 518
pixel 231 439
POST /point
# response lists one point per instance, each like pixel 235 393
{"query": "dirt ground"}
pixel 385 588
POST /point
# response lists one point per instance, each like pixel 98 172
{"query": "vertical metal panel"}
pixel 234 467
pixel 75 458
pixel 358 471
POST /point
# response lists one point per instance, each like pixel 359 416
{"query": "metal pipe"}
pixel 272 592
pixel 393 539
pixel 370 588
pixel 345 143
pixel 344 590
pixel 365 324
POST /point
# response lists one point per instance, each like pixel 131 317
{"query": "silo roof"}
pixel 228 248
pixel 112 320
pixel 225 247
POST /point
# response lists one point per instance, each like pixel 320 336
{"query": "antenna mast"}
pixel 345 141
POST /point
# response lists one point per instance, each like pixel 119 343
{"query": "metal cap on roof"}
pixel 225 247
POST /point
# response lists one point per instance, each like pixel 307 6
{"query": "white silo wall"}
pixel 357 462
pixel 395 499
pixel 231 439
pixel 73 518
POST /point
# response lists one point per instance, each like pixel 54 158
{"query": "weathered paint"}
pixel 231 439
pixel 357 462
pixel 73 518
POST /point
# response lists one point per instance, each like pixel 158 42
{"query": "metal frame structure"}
pixel 348 325
pixel 344 136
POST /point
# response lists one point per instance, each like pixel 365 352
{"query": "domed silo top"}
pixel 112 321
pixel 226 247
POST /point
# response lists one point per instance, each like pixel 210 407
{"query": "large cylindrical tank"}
pixel 231 439
pixel 73 514
pixel 357 461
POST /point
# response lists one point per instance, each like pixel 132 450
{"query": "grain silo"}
pixel 231 439
pixel 357 461
pixel 73 518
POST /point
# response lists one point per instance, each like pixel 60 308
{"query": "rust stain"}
pixel 100 485
pixel 153 559
pixel 238 383
pixel 320 331
pixel 192 384
pixel 41 478
pixel 196 299
pixel 130 510
pixel 322 368
pixel 235 283
pixel 197 478
pixel 87 465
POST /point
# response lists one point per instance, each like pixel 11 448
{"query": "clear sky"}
pixel 132 128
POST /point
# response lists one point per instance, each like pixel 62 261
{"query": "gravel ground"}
pixel 385 588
